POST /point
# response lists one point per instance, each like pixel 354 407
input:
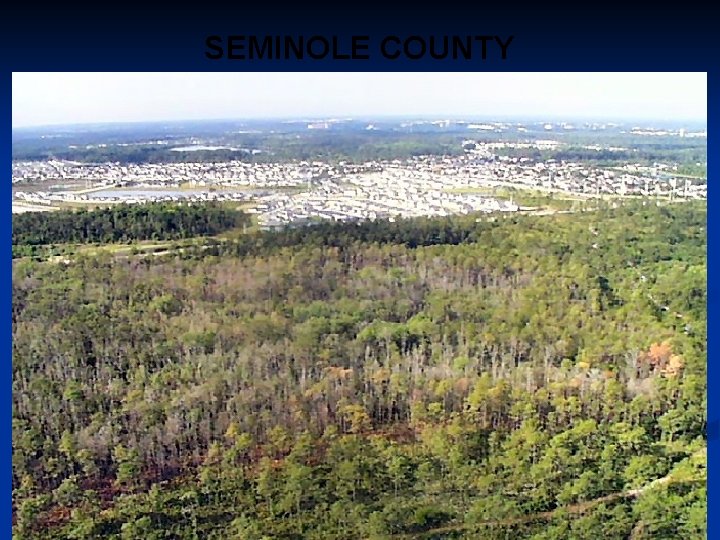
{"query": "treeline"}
pixel 124 223
pixel 370 381
pixel 135 154
pixel 685 155
pixel 675 241
pixel 331 146
pixel 359 147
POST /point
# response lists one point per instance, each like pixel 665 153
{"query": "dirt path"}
pixel 578 508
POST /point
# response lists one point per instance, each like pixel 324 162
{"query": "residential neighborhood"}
pixel 283 193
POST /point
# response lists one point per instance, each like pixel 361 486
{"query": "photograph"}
pixel 359 305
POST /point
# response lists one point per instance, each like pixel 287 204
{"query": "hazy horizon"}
pixel 646 122
pixel 77 99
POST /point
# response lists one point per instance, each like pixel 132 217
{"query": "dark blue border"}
pixel 713 371
pixel 596 37
pixel 5 311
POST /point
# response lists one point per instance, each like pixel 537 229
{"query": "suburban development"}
pixel 295 192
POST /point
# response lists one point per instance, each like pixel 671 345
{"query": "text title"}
pixel 317 47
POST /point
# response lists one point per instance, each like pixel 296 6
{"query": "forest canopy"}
pixel 124 223
pixel 536 377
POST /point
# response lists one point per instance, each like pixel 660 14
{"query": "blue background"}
pixel 583 37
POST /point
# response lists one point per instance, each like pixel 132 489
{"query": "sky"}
pixel 76 98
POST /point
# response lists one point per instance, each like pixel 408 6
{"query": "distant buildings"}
pixel 285 193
